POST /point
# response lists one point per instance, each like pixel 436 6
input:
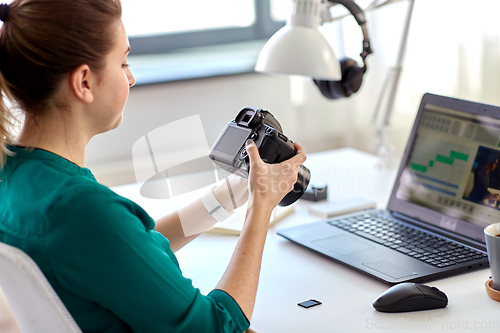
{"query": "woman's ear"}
pixel 82 83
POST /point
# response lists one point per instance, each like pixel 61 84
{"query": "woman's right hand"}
pixel 269 183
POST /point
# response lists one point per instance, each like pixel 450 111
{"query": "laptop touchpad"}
pixel 388 268
pixel 343 245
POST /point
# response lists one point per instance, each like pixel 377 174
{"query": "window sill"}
pixel 195 63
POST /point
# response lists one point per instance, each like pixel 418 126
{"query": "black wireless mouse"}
pixel 408 296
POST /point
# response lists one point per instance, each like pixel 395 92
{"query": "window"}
pixel 162 26
pixel 166 17
pixel 280 9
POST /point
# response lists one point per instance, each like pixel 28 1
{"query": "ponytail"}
pixel 5 120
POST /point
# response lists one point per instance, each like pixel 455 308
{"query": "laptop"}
pixel 446 191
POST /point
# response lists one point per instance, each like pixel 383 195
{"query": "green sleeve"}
pixel 103 248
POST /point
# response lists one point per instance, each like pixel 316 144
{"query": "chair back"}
pixel 36 306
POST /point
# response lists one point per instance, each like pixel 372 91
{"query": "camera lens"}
pixel 299 188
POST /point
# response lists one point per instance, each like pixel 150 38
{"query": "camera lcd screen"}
pixel 232 140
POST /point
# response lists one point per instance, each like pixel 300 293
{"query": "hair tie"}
pixel 4 11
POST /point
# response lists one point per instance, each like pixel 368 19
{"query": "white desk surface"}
pixel 292 274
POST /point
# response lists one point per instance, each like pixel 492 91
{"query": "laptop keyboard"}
pixel 416 243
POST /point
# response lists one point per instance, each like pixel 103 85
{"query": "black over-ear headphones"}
pixel 352 74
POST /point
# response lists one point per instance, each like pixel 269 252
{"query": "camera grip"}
pixel 276 147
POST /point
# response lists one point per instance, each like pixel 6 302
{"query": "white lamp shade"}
pixel 300 51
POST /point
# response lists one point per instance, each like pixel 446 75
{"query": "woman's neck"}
pixel 58 134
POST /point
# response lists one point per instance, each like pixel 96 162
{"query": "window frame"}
pixel 263 28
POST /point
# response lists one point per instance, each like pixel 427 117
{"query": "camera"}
pixel 274 147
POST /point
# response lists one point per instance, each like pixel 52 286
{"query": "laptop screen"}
pixel 453 166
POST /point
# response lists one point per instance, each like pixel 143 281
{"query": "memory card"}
pixel 310 303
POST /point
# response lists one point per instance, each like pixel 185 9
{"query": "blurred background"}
pixel 197 57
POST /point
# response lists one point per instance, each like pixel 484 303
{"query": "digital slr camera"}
pixel 274 147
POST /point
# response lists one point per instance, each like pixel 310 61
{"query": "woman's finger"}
pixel 301 155
pixel 253 152
pixel 298 159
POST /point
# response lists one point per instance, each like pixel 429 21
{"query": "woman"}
pixel 64 64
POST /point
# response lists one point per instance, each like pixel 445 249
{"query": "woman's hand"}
pixel 269 183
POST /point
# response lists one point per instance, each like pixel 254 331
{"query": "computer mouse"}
pixel 408 296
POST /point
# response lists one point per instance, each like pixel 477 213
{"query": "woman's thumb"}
pixel 252 151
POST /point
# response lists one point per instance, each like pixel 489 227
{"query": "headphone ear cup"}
pixel 330 89
pixel 352 76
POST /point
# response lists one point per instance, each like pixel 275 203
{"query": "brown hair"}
pixel 43 40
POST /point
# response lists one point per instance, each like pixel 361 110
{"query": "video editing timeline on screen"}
pixel 453 166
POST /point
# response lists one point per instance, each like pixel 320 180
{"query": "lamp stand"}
pixel 383 144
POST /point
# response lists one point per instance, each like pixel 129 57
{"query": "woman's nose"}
pixel 131 80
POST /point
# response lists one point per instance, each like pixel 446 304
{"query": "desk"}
pixel 291 274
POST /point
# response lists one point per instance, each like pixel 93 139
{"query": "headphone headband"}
pixel 359 16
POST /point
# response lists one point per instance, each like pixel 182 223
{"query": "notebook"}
pixel 446 191
pixel 234 224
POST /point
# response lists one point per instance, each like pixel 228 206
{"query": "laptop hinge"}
pixel 440 231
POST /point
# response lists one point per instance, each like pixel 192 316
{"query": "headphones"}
pixel 352 74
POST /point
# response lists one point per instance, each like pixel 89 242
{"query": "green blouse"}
pixel 100 252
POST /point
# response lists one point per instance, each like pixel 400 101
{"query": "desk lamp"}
pixel 300 48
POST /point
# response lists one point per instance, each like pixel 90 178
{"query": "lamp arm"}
pixel 399 64
pixel 355 10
